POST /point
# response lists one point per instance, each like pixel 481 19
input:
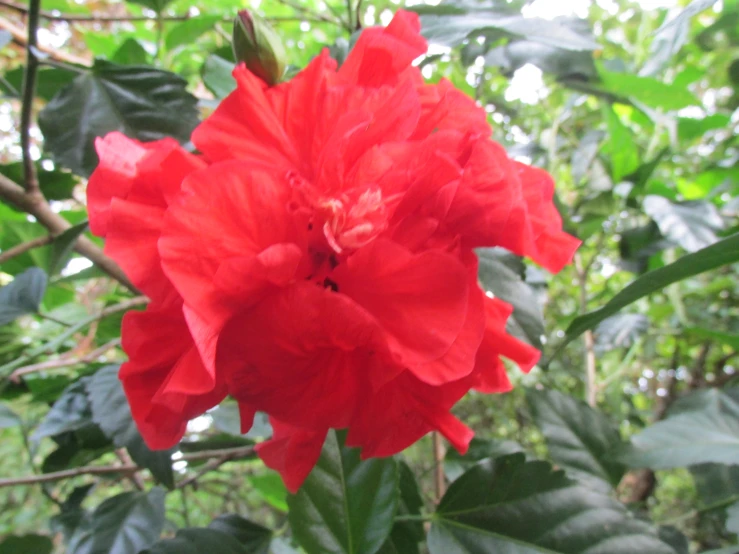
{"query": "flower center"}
pixel 349 219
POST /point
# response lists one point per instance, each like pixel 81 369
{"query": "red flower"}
pixel 316 262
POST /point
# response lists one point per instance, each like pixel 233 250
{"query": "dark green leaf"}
pixel 123 524
pixel 217 76
pixel 453 30
pixel 716 483
pixel 578 437
pixel 638 244
pixel 140 101
pixel 70 412
pixel 63 246
pixel 345 506
pixel 705 429
pixel 620 331
pixel 198 541
pixel 406 535
pixel 27 544
pixel 22 295
pixel 722 253
pixel 501 273
pixel 455 464
pixel 231 534
pixel 190 30
pixel 253 537
pixel 518 507
pixel 692 224
pixel 111 412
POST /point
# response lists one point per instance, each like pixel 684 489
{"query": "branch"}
pixel 28 93
pixel 77 18
pixel 64 362
pixel 20 38
pixel 24 247
pixel 126 469
pixel 34 203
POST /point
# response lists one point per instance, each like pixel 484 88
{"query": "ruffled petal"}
pixel 420 300
pixel 381 55
pixel 164 380
pixel 292 451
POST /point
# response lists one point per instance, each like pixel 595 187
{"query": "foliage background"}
pixel 631 106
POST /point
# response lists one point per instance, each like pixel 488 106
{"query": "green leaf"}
pixel 55 184
pixel 26 544
pixel 123 524
pixel 512 506
pixel 638 244
pixel 620 331
pixel 692 224
pixel 345 506
pixel 156 5
pixel 716 483
pixel 691 129
pixel 217 76
pixel 111 412
pixel 70 412
pixel 63 246
pixel 271 488
pixel 8 418
pixel 501 273
pixel 705 429
pixel 620 146
pixel 130 53
pixel 693 9
pixel 579 438
pixel 22 295
pixel 722 253
pixel 648 91
pixel 190 30
pixel 140 101
pixel 231 533
pixel 48 80
pixel 730 339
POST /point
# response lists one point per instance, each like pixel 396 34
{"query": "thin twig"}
pixel 24 247
pixel 28 93
pixel 64 362
pixel 34 203
pixel 231 453
pixel 308 13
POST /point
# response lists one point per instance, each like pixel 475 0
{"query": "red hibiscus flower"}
pixel 316 260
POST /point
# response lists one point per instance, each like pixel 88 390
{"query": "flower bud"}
pixel 256 44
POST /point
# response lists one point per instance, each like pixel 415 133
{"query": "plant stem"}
pixel 439 479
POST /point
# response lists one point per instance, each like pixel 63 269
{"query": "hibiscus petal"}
pixel 157 343
pixel 382 54
pixel 420 300
pixel 292 452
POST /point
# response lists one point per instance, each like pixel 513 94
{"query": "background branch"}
pixel 225 453
pixel 24 247
pixel 34 203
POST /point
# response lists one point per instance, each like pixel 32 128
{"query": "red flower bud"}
pixel 256 44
